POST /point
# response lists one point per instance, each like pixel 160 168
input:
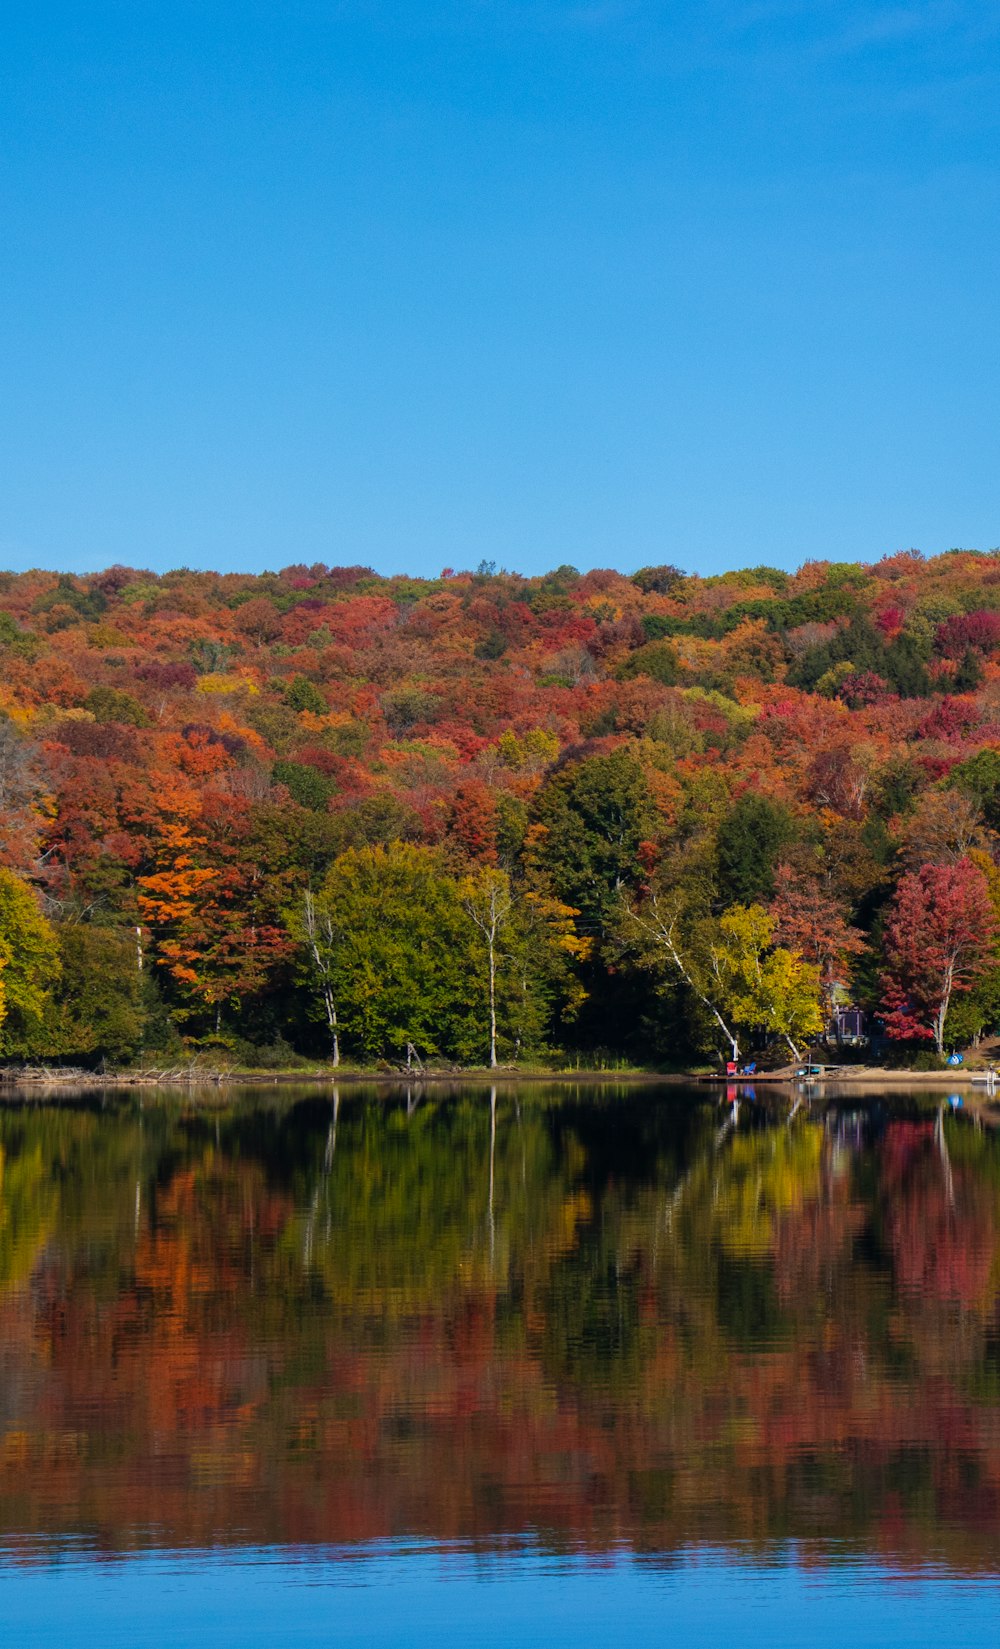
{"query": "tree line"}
pixel 483 819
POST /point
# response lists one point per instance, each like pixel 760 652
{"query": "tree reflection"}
pixel 592 1318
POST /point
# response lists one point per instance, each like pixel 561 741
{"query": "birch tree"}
pixel 664 935
pixel 489 906
pixel 316 931
pixel 730 963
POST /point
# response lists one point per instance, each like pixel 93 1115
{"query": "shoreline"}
pixel 208 1089
pixel 865 1075
pixel 45 1078
pixel 56 1079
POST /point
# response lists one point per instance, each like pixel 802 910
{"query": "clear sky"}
pixel 422 283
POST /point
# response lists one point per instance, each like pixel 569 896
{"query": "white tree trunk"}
pixel 331 1019
pixel 493 1001
pixel 944 1004
pixel 489 916
pixel 662 929
pixel 322 964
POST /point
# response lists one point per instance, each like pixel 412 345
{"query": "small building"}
pixel 848 1027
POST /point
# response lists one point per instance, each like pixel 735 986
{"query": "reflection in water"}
pixel 598 1321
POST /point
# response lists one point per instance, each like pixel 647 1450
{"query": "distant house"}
pixel 848 1026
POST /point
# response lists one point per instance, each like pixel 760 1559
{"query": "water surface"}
pixel 551 1363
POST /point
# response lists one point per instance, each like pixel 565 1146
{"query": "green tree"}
pixel 305 784
pixel 591 819
pixel 303 694
pixel 408 975
pixel 751 836
pixel 112 704
pixel 29 957
pixel 99 1009
pixel 980 776
pixel 974 1014
pixel 657 659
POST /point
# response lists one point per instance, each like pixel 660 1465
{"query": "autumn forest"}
pixel 579 819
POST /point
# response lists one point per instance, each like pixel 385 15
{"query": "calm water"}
pixel 295 1366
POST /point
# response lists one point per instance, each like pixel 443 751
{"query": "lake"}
pixel 553 1364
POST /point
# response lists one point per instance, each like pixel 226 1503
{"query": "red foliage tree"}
pixel 473 821
pixel 938 940
pixel 979 630
pixel 863 689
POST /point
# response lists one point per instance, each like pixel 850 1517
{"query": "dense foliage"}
pixel 484 816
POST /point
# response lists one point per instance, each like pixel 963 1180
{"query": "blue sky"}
pixel 421 284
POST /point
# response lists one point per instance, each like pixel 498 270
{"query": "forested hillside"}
pixel 656 818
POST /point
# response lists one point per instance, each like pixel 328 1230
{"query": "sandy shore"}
pixel 866 1076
